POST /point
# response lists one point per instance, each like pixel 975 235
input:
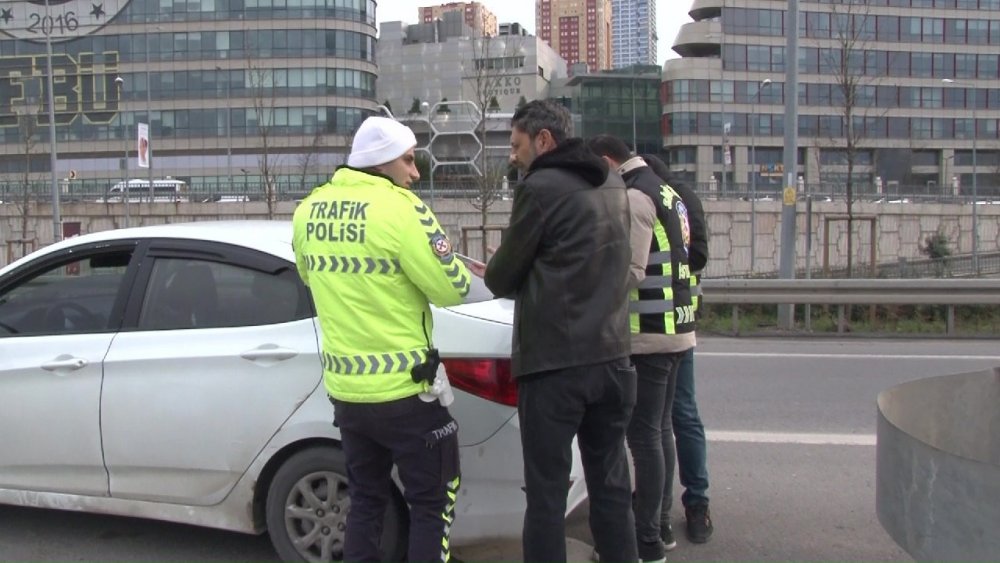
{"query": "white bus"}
pixel 165 190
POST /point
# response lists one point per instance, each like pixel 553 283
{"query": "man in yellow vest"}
pixel 374 256
pixel 688 428
pixel 662 329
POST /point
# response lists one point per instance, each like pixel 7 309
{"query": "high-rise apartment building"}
pixel 903 95
pixel 634 39
pixel 475 15
pixel 579 30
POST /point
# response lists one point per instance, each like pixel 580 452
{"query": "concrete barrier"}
pixel 937 488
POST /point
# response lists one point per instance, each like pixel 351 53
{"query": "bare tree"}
pixel 852 28
pixel 263 96
pixel 308 160
pixel 495 62
pixel 28 130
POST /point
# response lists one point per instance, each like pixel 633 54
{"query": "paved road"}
pixel 791 456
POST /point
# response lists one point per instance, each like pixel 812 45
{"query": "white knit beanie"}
pixel 380 140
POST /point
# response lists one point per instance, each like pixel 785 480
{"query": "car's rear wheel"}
pixel 307 508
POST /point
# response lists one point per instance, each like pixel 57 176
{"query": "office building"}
pixel 445 60
pixel 634 39
pixel 920 82
pixel 216 82
pixel 579 30
pixel 624 102
pixel 474 14
pixel 513 28
pixel 432 71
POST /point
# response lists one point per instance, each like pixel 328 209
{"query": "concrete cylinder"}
pixel 937 488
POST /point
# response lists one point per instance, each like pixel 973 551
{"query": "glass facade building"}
pixel 903 89
pixel 217 80
pixel 624 103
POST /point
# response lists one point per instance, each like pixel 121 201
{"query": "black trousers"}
pixel 421 439
pixel 594 404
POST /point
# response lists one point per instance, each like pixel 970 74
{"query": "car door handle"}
pixel 269 352
pixel 65 363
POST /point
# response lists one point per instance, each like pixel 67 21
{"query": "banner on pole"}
pixel 143 149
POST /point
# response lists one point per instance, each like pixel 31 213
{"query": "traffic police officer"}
pixel 662 324
pixel 373 256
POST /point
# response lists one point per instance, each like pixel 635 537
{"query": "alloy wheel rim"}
pixel 316 516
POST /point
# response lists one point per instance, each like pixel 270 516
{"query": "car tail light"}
pixel 489 379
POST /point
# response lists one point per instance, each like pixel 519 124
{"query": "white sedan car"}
pixel 171 372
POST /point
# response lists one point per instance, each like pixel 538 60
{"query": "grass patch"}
pixel 916 320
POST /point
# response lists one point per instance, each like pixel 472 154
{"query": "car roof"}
pixel 273 237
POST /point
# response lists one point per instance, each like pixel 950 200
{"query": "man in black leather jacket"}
pixel 565 260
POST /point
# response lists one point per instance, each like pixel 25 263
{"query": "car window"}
pixel 70 297
pixel 188 293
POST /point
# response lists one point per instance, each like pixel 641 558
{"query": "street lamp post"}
pixel 149 120
pixel 120 83
pixel 753 173
pixel 229 133
pixel 635 69
pixel 635 147
pixel 53 157
pixel 975 187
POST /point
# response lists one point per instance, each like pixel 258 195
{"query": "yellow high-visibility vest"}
pixel 374 256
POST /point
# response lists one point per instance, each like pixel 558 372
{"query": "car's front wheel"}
pixel 307 508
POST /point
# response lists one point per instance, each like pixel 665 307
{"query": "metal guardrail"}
pixel 854 291
pixel 296 187
pixel 843 292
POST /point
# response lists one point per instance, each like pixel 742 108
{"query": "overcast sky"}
pixel 670 15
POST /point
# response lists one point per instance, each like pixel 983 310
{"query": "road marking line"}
pixel 790 438
pixel 845 356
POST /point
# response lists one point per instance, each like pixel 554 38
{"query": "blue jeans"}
pixel 657 374
pixel 690 435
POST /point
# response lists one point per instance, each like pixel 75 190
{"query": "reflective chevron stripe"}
pixel 685 314
pixel 438 239
pixel 449 517
pixel 373 364
pixel 352 264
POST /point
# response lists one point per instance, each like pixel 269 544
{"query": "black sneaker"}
pixel 651 552
pixel 699 523
pixel 667 535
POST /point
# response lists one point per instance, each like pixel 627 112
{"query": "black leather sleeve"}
pixel 509 267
